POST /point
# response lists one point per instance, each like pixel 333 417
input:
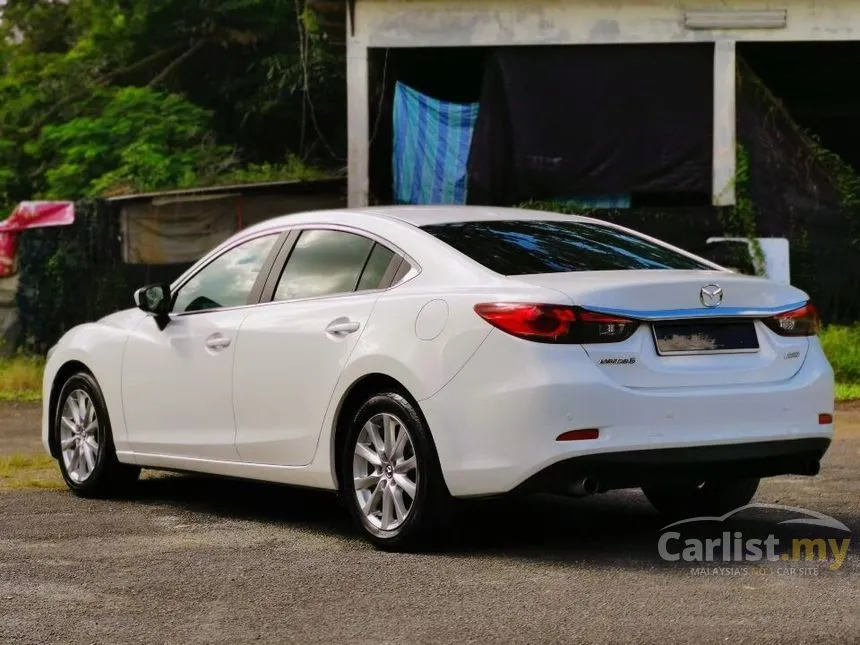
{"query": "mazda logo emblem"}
pixel 711 295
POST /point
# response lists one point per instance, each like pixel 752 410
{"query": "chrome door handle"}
pixel 343 327
pixel 217 341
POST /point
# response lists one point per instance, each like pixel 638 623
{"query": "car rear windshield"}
pixel 522 247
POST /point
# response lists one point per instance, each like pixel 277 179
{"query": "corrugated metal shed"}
pixel 179 226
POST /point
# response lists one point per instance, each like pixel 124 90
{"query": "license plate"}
pixel 705 337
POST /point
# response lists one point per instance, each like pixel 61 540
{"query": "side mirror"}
pixel 155 300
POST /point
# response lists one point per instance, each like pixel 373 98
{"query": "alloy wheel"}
pixel 79 437
pixel 385 472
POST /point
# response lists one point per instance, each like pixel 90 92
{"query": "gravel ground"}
pixel 196 560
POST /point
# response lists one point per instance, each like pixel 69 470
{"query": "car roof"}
pixel 430 215
pixel 418 216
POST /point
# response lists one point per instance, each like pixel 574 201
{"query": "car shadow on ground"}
pixel 612 529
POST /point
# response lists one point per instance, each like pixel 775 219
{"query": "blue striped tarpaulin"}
pixel 431 148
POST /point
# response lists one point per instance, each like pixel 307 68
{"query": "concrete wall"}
pixel 439 23
pixel 450 23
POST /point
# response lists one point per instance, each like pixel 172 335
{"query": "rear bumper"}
pixel 496 422
pixel 641 467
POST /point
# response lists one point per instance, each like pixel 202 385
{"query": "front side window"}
pixel 323 263
pixel 523 247
pixel 227 281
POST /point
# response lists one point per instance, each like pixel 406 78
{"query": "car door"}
pixel 292 351
pixel 177 381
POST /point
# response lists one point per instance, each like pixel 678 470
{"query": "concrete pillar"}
pixel 358 124
pixel 725 155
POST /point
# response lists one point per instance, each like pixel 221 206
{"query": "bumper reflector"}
pixel 825 419
pixel 579 435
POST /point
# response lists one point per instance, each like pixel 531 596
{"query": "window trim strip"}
pixel 290 234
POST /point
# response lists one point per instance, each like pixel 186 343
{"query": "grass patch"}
pixel 41 472
pixel 21 378
pixel 19 472
pixel 25 396
pixel 847 391
pixel 842 346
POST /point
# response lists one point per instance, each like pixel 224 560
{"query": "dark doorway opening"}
pixel 816 83
pixel 460 75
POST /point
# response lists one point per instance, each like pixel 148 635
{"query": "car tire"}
pixel 706 498
pixel 393 483
pixel 84 440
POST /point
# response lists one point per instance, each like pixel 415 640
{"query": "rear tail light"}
pixel 556 323
pixel 802 321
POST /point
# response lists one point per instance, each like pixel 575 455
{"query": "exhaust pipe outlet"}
pixel 812 467
pixel 584 487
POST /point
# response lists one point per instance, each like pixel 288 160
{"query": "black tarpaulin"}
pixel 560 122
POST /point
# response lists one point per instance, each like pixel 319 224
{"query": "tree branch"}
pixel 84 90
pixel 140 64
pixel 176 62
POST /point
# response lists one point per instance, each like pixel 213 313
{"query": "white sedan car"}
pixel 406 355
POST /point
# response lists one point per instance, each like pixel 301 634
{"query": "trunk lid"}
pixel 653 296
pixel 665 290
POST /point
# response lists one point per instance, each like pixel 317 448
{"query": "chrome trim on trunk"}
pixel 686 314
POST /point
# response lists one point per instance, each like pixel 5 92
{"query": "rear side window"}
pixel 377 264
pixel 327 262
pixel 323 263
pixel 522 247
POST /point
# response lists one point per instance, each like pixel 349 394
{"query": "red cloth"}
pixel 29 215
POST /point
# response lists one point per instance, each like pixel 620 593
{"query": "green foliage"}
pixel 292 169
pixel 845 177
pixel 21 377
pixel 848 391
pixel 847 182
pixel 805 191
pixel 740 220
pixel 842 346
pixel 100 97
pixel 141 140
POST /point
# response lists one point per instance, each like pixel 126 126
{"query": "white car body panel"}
pixel 177 389
pixel 656 290
pixel 501 432
pixel 778 359
pixel 285 371
pixel 100 347
pixel 266 405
